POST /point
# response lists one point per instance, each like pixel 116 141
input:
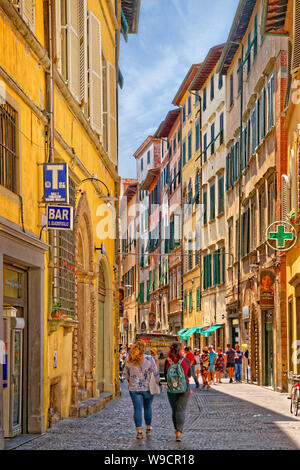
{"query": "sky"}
pixel 172 35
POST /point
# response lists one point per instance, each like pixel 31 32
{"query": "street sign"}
pixel 60 217
pixel 56 187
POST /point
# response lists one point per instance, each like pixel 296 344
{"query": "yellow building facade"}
pixel 287 26
pixel 59 301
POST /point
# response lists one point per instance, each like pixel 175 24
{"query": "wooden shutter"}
pixel 73 45
pixel 227 172
pixel 285 197
pixel 83 51
pixel 58 36
pixel 28 13
pixel 95 73
pixel 296 37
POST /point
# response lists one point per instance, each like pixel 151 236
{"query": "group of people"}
pixel 141 366
pixel 211 364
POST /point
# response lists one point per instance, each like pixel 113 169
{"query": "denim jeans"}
pixel 194 375
pixel 238 372
pixel 142 400
pixel 178 402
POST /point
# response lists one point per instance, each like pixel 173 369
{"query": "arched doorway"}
pixel 104 327
pixel 84 383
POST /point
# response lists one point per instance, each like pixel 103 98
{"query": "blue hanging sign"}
pixel 60 217
pixel 56 187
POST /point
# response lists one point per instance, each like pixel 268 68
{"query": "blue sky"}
pixel 173 34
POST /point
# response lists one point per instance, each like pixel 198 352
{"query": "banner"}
pixel 121 302
pixel 267 281
pixel 125 323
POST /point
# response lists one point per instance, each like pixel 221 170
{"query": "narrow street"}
pixel 237 416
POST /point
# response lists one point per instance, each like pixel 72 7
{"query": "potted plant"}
pixel 56 310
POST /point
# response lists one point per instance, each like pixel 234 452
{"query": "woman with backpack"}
pixel 138 370
pixel 177 372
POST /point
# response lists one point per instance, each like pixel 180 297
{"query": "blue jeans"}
pixel 140 400
pixel 238 372
pixel 194 375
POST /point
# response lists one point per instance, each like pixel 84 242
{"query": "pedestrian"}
pixel 219 365
pixel 230 362
pixel 177 371
pixel 137 371
pixel 197 363
pixel 190 356
pixel 238 359
pixel 246 362
pixel 204 364
pixel 212 361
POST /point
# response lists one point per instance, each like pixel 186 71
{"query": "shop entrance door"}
pixel 14 376
pixel 268 321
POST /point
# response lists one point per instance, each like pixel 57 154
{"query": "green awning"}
pixel 189 332
pixel 181 331
pixel 211 329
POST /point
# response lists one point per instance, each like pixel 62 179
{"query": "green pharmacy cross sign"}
pixel 281 236
pixel 277 232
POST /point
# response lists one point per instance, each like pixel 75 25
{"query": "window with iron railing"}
pixel 9 159
pixel 64 262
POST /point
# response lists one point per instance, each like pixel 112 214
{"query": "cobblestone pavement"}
pixel 228 416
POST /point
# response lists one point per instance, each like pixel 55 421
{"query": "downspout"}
pixel 51 82
pixel 240 181
pixel 182 221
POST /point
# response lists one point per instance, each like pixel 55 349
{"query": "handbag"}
pixel 153 387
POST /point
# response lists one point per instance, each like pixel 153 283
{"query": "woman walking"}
pixel 220 365
pixel 197 362
pixel 177 372
pixel 204 363
pixel 137 371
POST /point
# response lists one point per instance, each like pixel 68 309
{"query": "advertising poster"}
pixel 267 281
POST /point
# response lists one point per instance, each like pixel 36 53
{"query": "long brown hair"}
pixel 136 354
pixel 175 352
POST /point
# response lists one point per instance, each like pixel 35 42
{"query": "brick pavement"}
pixel 228 416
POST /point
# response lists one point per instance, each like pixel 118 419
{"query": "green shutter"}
pixel 184 152
pixel 198 298
pixel 190 301
pixel 190 146
pixel 223 264
pixel 185 302
pixel 209 270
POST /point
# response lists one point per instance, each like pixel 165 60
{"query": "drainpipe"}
pixel 240 184
pixel 51 81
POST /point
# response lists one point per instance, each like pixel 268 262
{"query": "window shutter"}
pixel 83 51
pixel 95 73
pixel 296 37
pixel 227 172
pixel 58 50
pixel 28 13
pixel 209 270
pixel 223 264
pixel 198 298
pixel 285 197
pixel 73 45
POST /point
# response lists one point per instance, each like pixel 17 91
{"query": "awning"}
pixel 181 331
pixel 196 329
pixel 211 329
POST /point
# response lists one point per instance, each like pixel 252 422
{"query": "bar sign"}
pixel 60 217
